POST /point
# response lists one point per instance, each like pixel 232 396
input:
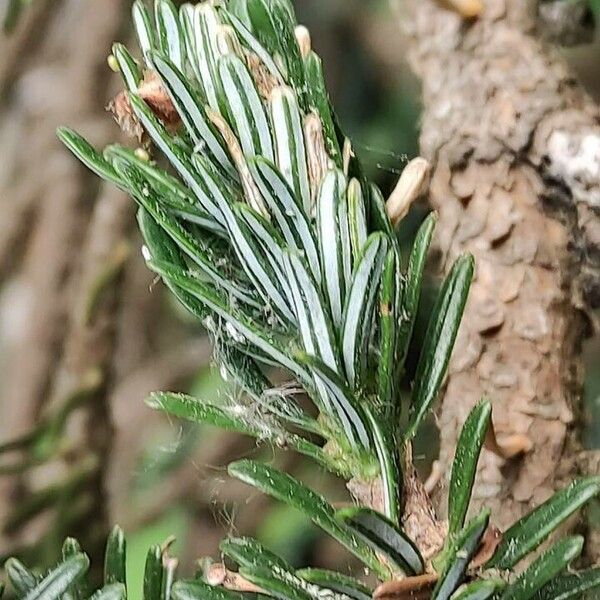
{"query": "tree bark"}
pixel 515 147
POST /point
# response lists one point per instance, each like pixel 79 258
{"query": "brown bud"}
pixel 121 109
pixel 228 41
pixel 437 472
pixel 263 78
pixel 410 588
pixel 509 446
pixel 467 8
pixel 217 575
pixel 408 189
pixel 317 158
pixel 251 191
pixel 347 156
pixel 154 93
pixel 113 64
pixel 303 39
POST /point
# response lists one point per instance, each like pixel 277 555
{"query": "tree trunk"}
pixel 515 147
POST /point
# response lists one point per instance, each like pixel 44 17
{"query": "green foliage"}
pixel 114 564
pixel 544 569
pixel 528 533
pixel 439 341
pixel 464 467
pixel 385 538
pixel 284 266
pixel 286 489
pixel 269 234
pixel 70 579
pixel 65 578
pixel 337 582
pixel 479 590
pixel 570 586
pixel 462 550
